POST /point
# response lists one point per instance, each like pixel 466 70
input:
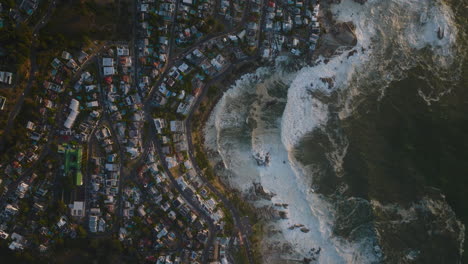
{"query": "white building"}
pixel 11 210
pixel 159 123
pixel 122 51
pixel 108 62
pixel 22 189
pixel 177 126
pixel 15 246
pixel 78 209
pixel 3 235
pixel 6 77
pixel 90 88
pixel 92 104
pixel 61 222
pixel 66 55
pixel 93 220
pixel 109 71
pixel 71 119
pixel 74 105
pixel 102 225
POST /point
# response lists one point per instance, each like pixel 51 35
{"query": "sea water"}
pixel 280 110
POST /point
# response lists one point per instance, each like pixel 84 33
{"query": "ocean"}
pixel 364 148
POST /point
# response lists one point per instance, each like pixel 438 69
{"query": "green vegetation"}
pixel 240 256
pixel 15 42
pixel 74 24
pixel 73 159
pixel 19 132
pixel 38 13
pixel 212 25
pixel 99 250
pixel 204 163
pixel 256 240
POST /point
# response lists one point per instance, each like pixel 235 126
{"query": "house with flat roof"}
pixel 93 220
pixel 177 126
pixel 66 55
pixel 109 71
pixel 159 123
pixel 74 106
pixel 122 51
pixel 77 209
pixel 6 77
pixel 107 62
pixel 82 57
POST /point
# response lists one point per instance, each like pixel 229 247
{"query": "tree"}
pixel 81 232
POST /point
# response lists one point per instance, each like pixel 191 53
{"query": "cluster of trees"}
pixel 7 4
pixel 204 163
pixel 19 133
pixel 211 25
pixel 50 43
pixel 154 19
pixel 15 42
pixel 80 250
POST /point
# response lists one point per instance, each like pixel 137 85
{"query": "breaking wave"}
pixel 392 37
pixel 270 111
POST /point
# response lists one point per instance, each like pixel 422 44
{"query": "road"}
pixel 148 108
pixel 116 141
pixel 173 59
pixel 174 20
pixel 134 48
pixel 225 201
pixel 152 135
pixel 189 199
pixel 47 147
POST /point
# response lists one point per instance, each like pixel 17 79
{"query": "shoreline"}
pixel 220 92
pixel 332 32
pixel 202 115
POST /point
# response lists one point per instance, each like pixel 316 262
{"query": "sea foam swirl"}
pixel 389 35
pixel 392 36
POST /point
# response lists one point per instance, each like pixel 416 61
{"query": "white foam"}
pixel 285 177
pixel 425 33
pixel 230 114
pixel 286 180
pixel 379 26
pixel 305 112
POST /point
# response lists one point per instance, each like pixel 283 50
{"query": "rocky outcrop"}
pixel 335 35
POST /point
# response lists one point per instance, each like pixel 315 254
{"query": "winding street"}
pixel 46 149
pixel 225 201
pixel 173 59
pixel 194 204
pixel 148 109
pixel 189 199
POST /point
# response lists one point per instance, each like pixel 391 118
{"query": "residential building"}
pixel 78 209
pixel 6 77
